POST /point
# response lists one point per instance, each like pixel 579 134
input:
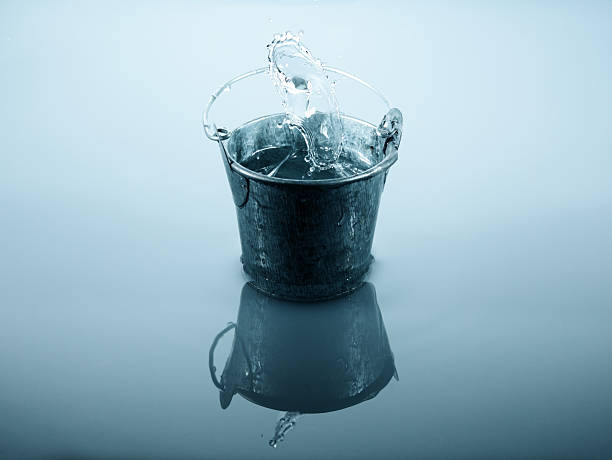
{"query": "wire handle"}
pixel 216 134
pixel 211 355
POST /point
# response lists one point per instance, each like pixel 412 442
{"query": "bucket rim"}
pixel 390 157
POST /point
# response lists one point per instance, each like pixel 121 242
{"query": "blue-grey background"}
pixel 119 250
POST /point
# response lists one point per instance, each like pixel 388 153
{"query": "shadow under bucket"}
pixel 307 239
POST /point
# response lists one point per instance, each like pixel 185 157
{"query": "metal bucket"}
pixel 307 358
pixel 307 239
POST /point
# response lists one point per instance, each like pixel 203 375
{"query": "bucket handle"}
pixel 216 134
pixel 211 355
pixel 226 393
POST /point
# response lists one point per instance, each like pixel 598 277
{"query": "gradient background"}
pixel 119 249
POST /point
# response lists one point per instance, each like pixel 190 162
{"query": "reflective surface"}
pixel 306 357
pixel 119 250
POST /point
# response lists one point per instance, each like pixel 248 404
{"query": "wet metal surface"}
pixel 307 240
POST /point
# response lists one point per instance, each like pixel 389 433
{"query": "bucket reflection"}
pixel 306 357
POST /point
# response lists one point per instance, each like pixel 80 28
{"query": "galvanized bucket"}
pixel 307 239
pixel 307 358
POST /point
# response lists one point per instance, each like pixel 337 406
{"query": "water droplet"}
pixel 341 220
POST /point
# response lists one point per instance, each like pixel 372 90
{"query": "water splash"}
pixel 308 97
pixel 283 426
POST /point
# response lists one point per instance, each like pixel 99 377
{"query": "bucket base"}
pixel 309 292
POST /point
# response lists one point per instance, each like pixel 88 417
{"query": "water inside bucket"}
pixel 290 163
pixel 270 147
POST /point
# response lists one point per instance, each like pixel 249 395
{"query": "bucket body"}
pixel 309 242
pixel 308 358
pixel 306 239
